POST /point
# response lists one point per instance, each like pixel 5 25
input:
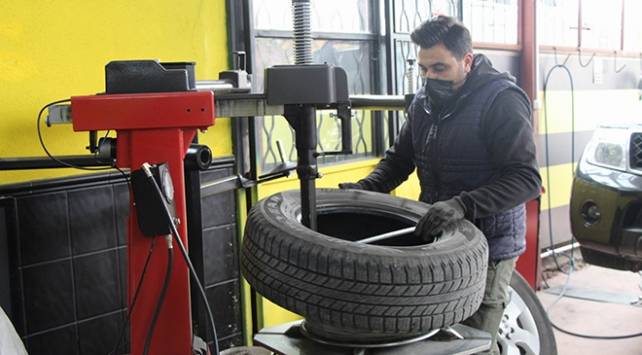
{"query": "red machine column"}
pixel 153 128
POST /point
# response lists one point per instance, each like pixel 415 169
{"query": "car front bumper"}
pixel 606 216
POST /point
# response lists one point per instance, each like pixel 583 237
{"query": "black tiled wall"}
pixel 220 262
pixel 68 253
pixel 5 281
pixel 43 228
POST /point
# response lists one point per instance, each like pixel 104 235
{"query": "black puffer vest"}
pixel 451 155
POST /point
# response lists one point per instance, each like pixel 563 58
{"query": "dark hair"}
pixel 446 30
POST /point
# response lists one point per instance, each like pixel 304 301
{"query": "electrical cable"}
pixel 42 143
pixel 546 151
pixel 550 217
pixel 571 261
pixel 580 335
pixel 121 332
pixel 596 337
pixel 181 247
pixel 198 282
pixel 579 59
pixel 44 147
pixel 161 296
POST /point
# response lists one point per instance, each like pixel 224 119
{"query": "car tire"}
pixel 390 290
pixel 525 327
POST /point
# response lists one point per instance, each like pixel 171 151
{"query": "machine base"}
pixel 287 339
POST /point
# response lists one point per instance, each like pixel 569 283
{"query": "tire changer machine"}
pixel 156 110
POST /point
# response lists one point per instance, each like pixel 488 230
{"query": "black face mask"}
pixel 439 91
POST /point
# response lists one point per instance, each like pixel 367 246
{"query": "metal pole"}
pixel 304 119
pixel 302 36
pixel 388 235
pixel 306 144
pixel 25 163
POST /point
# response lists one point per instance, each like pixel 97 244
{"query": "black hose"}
pixel 42 143
pixel 161 299
pixel 201 290
pixel 62 163
pixel 188 261
pixel 596 337
pixel 546 153
pixel 121 332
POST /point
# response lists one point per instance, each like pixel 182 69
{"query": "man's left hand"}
pixel 439 216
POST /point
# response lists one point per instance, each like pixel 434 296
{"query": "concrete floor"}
pixel 596 318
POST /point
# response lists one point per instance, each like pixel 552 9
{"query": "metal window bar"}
pixel 409 14
pixel 492 21
pixel 275 129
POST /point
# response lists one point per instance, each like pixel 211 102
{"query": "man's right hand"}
pixel 350 186
pixel 439 217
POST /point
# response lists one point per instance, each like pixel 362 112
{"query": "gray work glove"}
pixel 439 217
pixel 351 185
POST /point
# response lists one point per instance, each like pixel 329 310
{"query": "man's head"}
pixel 446 51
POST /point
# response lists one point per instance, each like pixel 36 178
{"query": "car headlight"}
pixel 609 148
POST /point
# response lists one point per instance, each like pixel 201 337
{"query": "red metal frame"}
pixel 153 128
pixel 529 263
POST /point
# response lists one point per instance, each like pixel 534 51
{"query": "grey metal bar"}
pixel 245 105
pixel 319 35
pixel 27 163
pixel 224 184
pixel 214 85
pixel 378 102
pixel 387 235
pixel 248 105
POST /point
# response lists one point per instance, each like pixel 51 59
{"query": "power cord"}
pixel 123 326
pixel 546 152
pixel 596 337
pixel 161 296
pixel 550 216
pixel 580 335
pixel 181 247
pixel 42 143
pixel 44 147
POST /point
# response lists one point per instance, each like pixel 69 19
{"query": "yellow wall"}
pixel 331 176
pixel 51 50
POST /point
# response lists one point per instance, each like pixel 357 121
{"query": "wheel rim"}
pixel 518 334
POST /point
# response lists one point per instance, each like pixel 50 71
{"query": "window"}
pixel 492 21
pixel 342 32
pixel 341 16
pixel 408 15
pixel 350 33
pixel 632 25
pixel 601 24
pixel 557 22
pixel 605 25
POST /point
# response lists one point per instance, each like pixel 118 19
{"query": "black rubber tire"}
pixel 358 292
pixel 530 320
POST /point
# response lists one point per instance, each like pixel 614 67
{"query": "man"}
pixel 469 135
